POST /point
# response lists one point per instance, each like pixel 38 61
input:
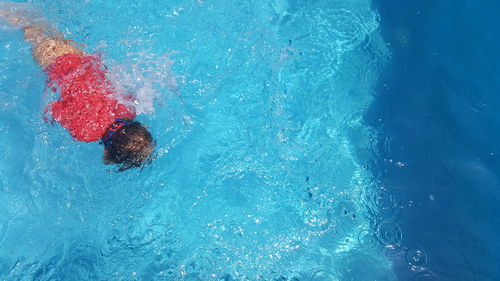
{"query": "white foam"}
pixel 148 78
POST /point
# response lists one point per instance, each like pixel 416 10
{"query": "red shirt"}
pixel 87 105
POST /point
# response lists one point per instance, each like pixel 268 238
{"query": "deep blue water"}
pixel 438 101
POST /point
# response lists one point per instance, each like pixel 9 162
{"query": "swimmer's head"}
pixel 130 146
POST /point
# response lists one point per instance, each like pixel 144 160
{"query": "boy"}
pixel 88 106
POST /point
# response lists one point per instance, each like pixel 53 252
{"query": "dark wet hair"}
pixel 131 146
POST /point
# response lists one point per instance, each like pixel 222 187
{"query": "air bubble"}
pixel 416 258
pixel 367 240
pixel 389 234
pixel 387 204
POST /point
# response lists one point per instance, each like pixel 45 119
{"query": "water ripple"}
pixel 424 276
pixel 389 234
pixel 416 259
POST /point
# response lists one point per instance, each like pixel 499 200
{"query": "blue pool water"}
pixel 290 145
pixel 257 108
pixel 439 101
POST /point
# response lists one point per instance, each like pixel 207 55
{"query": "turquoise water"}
pixel 262 166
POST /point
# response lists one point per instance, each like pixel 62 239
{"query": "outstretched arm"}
pixel 48 44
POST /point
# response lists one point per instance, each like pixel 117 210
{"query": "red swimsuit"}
pixel 87 105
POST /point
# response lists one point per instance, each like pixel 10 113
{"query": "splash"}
pixel 147 77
